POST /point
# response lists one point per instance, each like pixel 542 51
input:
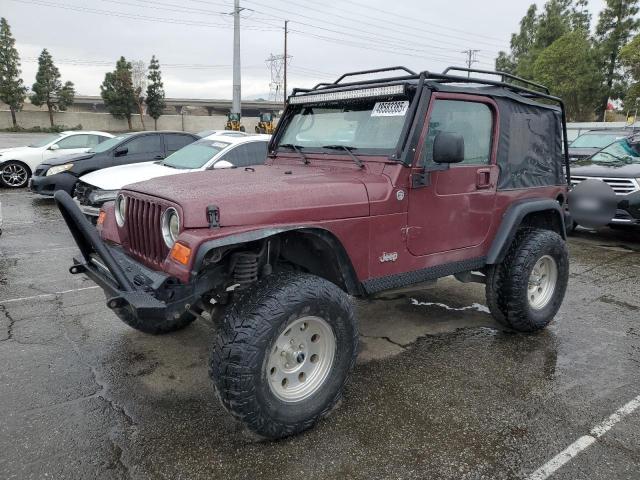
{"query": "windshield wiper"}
pixel 297 149
pixel 348 150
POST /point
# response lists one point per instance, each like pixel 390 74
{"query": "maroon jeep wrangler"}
pixel 369 186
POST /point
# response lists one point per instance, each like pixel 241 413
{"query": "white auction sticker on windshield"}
pixel 390 109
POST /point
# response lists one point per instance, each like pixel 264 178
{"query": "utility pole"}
pixel 286 57
pixel 472 57
pixel 235 105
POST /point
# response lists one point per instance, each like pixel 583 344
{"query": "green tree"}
pixel 48 89
pixel 12 89
pixel 118 93
pixel 155 92
pixel 616 25
pixel 630 60
pixel 578 82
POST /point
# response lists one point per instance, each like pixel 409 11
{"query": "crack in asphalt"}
pixel 11 320
pixel 388 339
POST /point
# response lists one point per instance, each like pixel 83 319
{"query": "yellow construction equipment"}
pixel 265 125
pixel 233 122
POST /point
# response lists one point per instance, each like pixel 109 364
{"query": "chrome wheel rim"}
pixel 14 175
pixel 542 282
pixel 301 359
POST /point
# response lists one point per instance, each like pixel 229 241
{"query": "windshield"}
pixel 368 126
pixel 46 140
pixel 195 155
pixel 108 144
pixel 622 151
pixel 595 140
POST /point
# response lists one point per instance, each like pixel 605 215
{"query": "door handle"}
pixel 159 157
pixel 483 178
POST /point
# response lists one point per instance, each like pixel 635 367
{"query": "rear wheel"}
pixel 14 175
pixel 284 352
pixel 526 290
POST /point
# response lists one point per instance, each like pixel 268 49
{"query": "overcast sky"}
pixel 194 38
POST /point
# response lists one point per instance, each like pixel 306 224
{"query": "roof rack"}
pixel 503 75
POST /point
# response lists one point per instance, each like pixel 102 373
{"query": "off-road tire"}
pixel 251 326
pixel 155 327
pixel 507 283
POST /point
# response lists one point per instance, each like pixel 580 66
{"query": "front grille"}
pixel 83 190
pixel 621 186
pixel 144 236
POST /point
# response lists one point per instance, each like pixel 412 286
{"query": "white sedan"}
pixel 212 152
pixel 17 164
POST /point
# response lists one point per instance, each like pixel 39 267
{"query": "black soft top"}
pixel 532 148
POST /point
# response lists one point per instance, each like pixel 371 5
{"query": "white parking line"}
pixel 584 442
pixel 46 295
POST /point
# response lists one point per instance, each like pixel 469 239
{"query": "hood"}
pixel 114 178
pixel 588 168
pixel 17 150
pixel 266 194
pixel 69 157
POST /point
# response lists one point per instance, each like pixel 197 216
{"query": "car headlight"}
pixel 170 226
pixel 102 196
pixel 59 169
pixel 121 210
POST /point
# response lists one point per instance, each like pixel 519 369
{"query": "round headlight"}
pixel 121 209
pixel 170 226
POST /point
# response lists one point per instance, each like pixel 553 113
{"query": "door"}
pixel 79 143
pixel 142 148
pixel 454 210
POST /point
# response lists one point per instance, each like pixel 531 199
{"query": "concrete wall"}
pixel 106 122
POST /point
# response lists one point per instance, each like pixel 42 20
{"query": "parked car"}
pixel 619 166
pixel 216 151
pixel 17 164
pixel 62 173
pixel 426 186
pixel 593 141
pixel 226 133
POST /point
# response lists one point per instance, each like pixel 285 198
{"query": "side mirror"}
pixel 121 151
pixel 448 148
pixel 54 147
pixel 223 164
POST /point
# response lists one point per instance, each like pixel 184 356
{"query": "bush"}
pixel 38 129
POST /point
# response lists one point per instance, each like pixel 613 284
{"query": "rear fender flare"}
pixel 512 220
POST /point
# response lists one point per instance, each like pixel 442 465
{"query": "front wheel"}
pixel 284 352
pixel 526 290
pixel 14 175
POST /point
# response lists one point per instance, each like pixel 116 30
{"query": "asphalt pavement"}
pixel 439 392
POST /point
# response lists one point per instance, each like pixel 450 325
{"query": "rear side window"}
pixel 253 153
pixel 472 120
pixel 145 144
pixel 176 142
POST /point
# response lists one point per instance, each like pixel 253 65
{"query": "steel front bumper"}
pixel 130 287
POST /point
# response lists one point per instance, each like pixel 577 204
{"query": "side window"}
pixel 176 142
pixel 102 139
pixel 75 141
pixel 253 153
pixel 144 144
pixel 472 120
pixel 94 140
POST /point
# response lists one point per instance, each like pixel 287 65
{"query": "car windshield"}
pixel 369 126
pixel 622 151
pixel 595 140
pixel 46 140
pixel 108 144
pixel 195 155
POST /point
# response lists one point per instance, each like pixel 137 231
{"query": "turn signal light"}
pixel 181 253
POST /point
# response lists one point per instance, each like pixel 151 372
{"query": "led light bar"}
pixel 348 95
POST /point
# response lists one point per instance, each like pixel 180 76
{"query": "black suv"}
pixel 62 173
pixel 618 165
